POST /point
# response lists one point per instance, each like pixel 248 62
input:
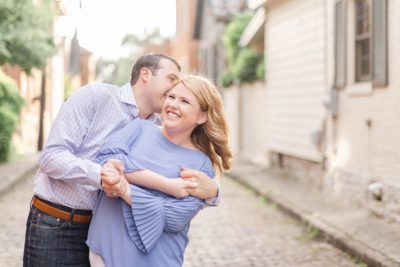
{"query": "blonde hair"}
pixel 210 137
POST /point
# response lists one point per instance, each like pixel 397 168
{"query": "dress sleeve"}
pixel 150 215
pixel 120 143
pixel 208 169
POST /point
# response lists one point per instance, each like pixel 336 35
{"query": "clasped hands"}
pixel 190 182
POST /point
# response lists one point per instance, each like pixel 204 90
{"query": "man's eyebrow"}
pixel 173 76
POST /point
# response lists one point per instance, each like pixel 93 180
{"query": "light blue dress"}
pixel 152 232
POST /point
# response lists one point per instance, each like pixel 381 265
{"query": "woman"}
pixel 148 227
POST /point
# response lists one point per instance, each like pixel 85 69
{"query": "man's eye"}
pixel 171 97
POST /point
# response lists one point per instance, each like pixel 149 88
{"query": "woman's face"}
pixel 181 110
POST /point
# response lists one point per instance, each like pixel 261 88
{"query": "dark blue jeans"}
pixel 50 241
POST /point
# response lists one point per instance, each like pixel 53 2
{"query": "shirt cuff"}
pixel 215 200
pixel 95 175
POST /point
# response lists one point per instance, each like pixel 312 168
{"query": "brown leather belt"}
pixel 59 213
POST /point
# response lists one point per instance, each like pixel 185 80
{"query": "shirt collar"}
pixel 126 95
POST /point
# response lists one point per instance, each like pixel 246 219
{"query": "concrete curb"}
pixel 12 172
pixel 326 231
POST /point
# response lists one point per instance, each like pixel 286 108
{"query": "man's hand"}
pixel 206 187
pixel 113 180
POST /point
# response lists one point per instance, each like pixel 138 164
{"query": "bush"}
pixel 227 78
pixel 10 107
pixel 246 65
pixel 260 71
pixel 232 35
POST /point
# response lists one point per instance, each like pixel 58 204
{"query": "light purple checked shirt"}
pixel 68 174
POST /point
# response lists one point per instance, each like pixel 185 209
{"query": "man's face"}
pixel 161 82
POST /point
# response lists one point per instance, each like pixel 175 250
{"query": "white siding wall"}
pixel 296 75
pixel 231 103
pixel 365 154
pixel 253 127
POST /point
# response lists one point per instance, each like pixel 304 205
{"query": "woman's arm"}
pixel 175 187
pixel 150 215
pixel 207 188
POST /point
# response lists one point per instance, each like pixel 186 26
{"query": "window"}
pixel 371 60
pixel 363 40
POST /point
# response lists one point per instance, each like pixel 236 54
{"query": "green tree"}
pixel 232 35
pixel 10 106
pixel 26 36
pixel 245 68
pixel 244 64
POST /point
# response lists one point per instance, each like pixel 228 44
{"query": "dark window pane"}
pixel 362 17
pixel 365 47
pixel 365 67
pixel 366 25
pixel 363 37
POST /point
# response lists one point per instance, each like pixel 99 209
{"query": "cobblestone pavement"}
pixel 14 208
pixel 243 232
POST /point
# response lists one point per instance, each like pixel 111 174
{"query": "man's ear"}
pixel 145 74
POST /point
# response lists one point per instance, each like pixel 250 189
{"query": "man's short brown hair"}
pixel 150 61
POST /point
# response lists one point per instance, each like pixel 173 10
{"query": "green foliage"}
pixel 227 78
pixel 68 87
pixel 10 107
pixel 244 64
pixel 232 35
pixel 260 71
pixel 25 33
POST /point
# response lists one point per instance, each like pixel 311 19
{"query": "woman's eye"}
pixel 171 97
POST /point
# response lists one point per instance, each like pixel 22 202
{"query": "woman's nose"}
pixel 174 104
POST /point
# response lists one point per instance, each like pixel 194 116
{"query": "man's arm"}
pixel 58 159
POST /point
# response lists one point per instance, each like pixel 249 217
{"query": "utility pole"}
pixel 41 111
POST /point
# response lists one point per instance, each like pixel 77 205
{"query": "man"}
pixel 68 179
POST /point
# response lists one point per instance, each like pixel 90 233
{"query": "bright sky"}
pixel 102 24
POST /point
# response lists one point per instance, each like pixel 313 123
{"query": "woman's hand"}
pixel 178 188
pixel 206 188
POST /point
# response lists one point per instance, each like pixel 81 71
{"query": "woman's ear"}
pixel 202 119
